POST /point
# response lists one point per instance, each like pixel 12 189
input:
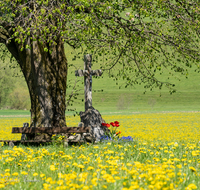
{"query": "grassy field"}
pixel 164 155
pixel 107 97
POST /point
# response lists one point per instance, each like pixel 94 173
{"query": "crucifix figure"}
pixel 88 73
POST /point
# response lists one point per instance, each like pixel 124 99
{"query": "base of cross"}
pixel 89 130
pixel 93 119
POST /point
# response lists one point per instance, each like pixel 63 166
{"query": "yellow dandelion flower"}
pixel 85 187
pixel 60 182
pixel 81 166
pixel 42 175
pixel 179 166
pixel 90 168
pixel 7 174
pixel 2 185
pixel 35 174
pixel 7 170
pixel 52 168
pixel 46 186
pixel 15 174
pixel 192 169
pixel 49 179
pixel 191 186
pixel 74 164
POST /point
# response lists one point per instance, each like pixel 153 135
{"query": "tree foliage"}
pixel 139 38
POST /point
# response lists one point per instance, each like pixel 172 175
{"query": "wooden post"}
pixel 88 81
pixel 23 137
pixel 88 73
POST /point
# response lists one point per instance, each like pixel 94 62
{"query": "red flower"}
pixel 104 124
pixel 117 133
pixel 116 122
pixel 116 125
pixel 107 125
pixel 113 124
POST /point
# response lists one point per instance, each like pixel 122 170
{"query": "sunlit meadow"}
pixel 164 154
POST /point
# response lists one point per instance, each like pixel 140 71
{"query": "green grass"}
pixel 109 166
pixel 133 99
pixel 14 112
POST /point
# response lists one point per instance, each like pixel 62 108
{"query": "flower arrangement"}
pixel 112 132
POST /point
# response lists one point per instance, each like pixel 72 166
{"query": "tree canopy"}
pixel 143 36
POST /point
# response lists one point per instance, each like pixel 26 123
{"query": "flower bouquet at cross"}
pixel 112 133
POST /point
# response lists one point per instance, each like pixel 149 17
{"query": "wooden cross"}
pixel 88 73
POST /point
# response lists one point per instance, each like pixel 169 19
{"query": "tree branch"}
pixel 3 35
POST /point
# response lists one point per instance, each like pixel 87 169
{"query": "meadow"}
pixel 108 95
pixel 164 154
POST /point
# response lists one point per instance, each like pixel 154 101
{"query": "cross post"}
pixel 88 73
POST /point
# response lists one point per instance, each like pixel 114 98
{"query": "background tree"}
pixel 141 37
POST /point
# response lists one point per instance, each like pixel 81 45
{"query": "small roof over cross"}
pixel 88 73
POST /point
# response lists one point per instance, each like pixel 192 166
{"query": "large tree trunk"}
pixel 46 76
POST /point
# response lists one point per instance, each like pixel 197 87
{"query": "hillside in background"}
pixel 107 97
pixel 13 89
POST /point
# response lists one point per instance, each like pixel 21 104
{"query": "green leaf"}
pixel 46 49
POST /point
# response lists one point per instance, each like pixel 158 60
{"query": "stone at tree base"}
pixel 42 136
pixel 76 137
pixel 11 144
pixel 93 118
pixel 87 137
pixel 65 144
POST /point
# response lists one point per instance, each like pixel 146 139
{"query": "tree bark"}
pixel 46 75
